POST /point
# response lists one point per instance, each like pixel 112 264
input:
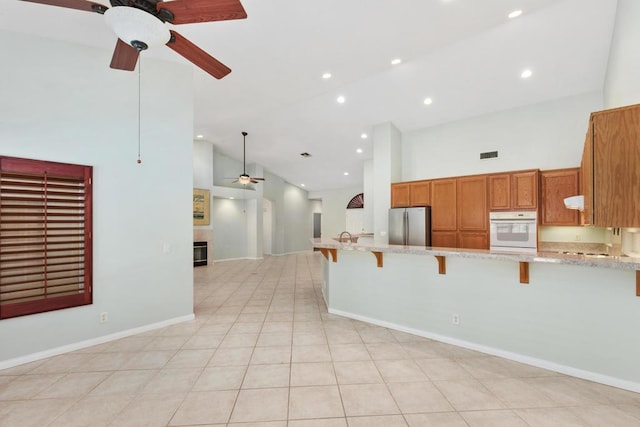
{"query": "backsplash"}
pixel 599 240
pixel 573 234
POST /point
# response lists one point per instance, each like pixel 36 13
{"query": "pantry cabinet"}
pixel 444 205
pixel 556 185
pixel 611 165
pixel 472 203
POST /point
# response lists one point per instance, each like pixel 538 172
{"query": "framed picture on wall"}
pixel 201 202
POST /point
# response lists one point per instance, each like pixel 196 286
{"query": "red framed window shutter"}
pixel 45 236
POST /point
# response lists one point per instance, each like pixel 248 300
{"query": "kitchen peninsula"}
pixel 573 314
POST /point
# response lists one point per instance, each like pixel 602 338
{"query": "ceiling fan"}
pixel 140 24
pixel 244 178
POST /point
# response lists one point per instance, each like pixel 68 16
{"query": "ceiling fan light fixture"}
pixel 133 26
pixel 244 179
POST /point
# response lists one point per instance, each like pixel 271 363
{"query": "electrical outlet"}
pixel 455 319
pixel 577 239
pixel 104 317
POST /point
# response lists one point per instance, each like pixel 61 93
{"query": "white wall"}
pixel 61 102
pixel 622 85
pixel 229 223
pixel 298 217
pixel 576 319
pixel 239 234
pixel 334 207
pixel 387 168
pixel 549 135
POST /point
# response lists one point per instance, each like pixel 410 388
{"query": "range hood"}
pixel 574 202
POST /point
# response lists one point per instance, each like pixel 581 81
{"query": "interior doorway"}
pixel 267 227
pixel 317 226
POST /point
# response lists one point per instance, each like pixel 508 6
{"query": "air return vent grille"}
pixel 488 155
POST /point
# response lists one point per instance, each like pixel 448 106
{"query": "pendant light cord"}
pixel 139 72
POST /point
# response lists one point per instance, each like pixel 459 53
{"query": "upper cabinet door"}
pixel 400 195
pixel 500 192
pixel 443 205
pixel 420 193
pixel 524 190
pixel 556 186
pixel 472 203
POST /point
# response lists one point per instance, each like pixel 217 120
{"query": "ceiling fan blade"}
pixel 74 4
pixel 234 181
pixel 259 179
pixel 190 11
pixel 125 57
pixel 197 56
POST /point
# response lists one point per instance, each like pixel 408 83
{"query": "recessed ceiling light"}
pixel 428 101
pixel 199 136
pixel 301 185
pixel 364 136
pixel 346 173
pixel 326 76
pixel 515 14
pixel 396 61
pixel 231 198
pixel 526 74
pixel 359 150
pixel 341 99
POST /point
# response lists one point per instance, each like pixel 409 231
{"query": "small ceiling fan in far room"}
pixel 140 24
pixel 244 178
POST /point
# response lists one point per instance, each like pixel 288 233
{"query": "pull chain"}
pixel 139 72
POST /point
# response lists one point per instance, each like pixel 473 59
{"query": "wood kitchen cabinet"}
pixel 405 194
pixel 513 191
pixel 473 221
pixel 586 177
pixel 524 190
pixel 611 165
pixel 420 193
pixel 444 239
pixel 469 240
pixel 556 185
pixel 444 205
pixel 400 195
pixel 500 192
pixel 472 203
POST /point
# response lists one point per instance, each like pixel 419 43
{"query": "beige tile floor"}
pixel 263 351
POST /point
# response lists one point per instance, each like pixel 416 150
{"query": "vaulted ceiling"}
pixel 466 55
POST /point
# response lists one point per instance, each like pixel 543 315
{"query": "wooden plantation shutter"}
pixel 45 236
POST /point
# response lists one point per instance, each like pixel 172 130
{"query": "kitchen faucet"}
pixel 349 234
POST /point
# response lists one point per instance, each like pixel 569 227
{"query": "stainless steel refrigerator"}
pixel 410 226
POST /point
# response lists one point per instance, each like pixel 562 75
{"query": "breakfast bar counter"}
pixel 574 314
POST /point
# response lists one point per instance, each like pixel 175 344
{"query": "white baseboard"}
pixel 91 342
pixel 293 253
pixel 540 363
pixel 236 259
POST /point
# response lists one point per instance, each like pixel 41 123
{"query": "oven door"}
pixel 513 234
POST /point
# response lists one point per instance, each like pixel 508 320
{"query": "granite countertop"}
pixel 615 262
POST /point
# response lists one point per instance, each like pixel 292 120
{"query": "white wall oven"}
pixel 513 231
